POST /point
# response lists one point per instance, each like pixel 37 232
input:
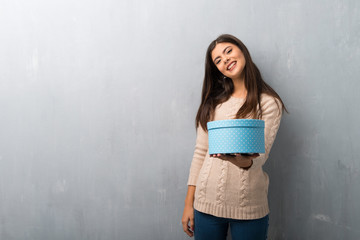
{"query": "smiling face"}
pixel 229 59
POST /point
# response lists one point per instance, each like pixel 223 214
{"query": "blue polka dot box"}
pixel 236 136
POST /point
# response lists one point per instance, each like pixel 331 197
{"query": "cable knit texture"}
pixel 224 189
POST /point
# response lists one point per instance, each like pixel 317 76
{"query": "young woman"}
pixel 230 191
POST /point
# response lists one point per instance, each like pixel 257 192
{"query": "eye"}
pixel 218 61
pixel 229 51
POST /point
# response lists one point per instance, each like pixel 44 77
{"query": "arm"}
pixel 189 200
pixel 201 148
pixel 272 116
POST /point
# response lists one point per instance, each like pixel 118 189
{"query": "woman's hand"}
pixel 188 216
pixel 242 161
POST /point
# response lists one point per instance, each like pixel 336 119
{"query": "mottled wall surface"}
pixel 98 100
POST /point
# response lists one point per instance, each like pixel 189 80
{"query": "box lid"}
pixel 255 123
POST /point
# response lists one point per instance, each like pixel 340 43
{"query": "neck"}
pixel 239 87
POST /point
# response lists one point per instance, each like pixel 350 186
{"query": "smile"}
pixel 231 66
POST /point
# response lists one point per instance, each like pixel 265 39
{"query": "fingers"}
pixel 235 154
pixel 217 155
pixel 223 156
pixel 227 157
pixel 252 156
pixel 188 218
pixel 192 224
pixel 186 228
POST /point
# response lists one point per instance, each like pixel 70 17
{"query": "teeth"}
pixel 231 65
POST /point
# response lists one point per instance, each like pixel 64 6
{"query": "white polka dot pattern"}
pixel 236 136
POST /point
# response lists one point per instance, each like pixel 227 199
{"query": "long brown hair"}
pixel 217 88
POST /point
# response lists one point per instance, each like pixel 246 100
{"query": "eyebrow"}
pixel 223 52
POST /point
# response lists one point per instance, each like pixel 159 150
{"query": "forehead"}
pixel 219 48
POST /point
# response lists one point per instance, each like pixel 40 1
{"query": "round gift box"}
pixel 236 136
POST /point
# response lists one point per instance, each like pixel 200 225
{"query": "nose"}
pixel 226 60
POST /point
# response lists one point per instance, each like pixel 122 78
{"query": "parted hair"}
pixel 217 88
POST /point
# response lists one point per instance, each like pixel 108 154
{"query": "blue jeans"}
pixel 209 227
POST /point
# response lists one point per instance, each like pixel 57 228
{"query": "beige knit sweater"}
pixel 224 189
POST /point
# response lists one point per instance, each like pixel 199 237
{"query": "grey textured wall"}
pixel 97 107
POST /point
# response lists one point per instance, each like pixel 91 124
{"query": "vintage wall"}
pixel 98 100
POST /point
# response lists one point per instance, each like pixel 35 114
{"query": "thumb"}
pixel 192 224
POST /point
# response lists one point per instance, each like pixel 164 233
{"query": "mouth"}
pixel 231 66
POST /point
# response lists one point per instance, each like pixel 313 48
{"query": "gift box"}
pixel 236 136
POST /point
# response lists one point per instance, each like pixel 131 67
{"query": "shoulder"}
pixel 270 103
pixel 267 100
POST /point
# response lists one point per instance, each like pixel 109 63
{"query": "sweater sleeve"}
pixel 272 113
pixel 201 148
